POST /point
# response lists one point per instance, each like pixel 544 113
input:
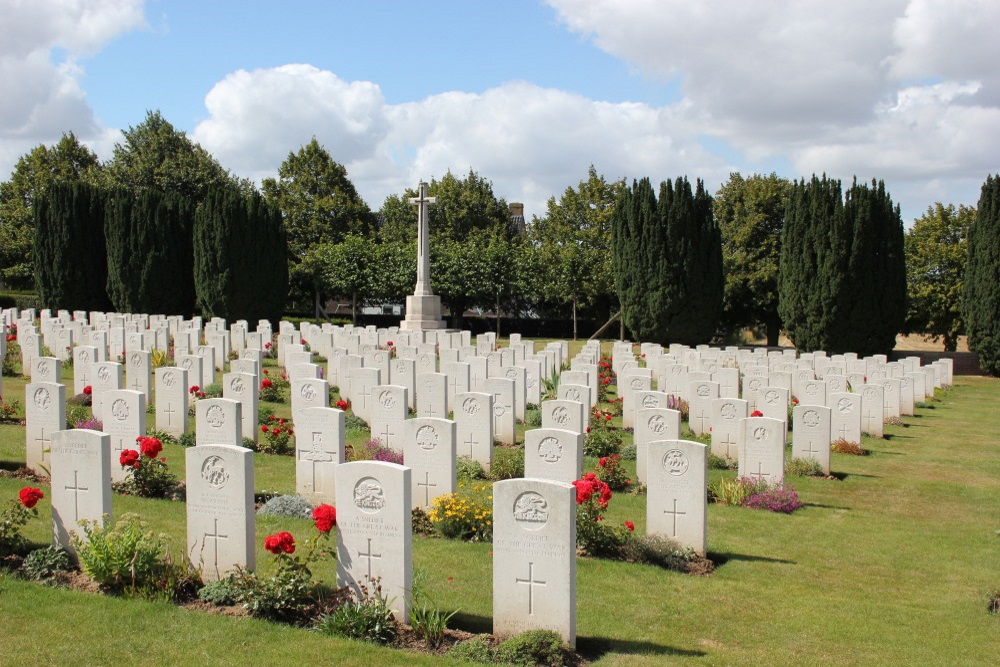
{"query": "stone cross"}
pixel 423 240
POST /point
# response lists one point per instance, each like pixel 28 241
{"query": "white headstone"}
pixel 319 449
pixel 429 451
pixel 219 421
pixel 172 400
pixel 81 481
pixel 553 453
pixel 242 387
pixel 474 427
pixel 44 414
pixel 124 421
pixel 653 424
pixel 388 414
pixel 762 449
pixel 811 435
pixel 676 498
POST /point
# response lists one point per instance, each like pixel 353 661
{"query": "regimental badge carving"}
pixel 650 402
pixel 369 495
pixel 560 415
pixel 215 416
pixel 760 433
pixel 119 409
pixel 573 394
pixel 550 450
pixel 187 364
pixel 754 384
pixel 85 356
pixel 136 360
pixel 214 472
pixel 379 357
pixel 676 370
pixel 236 385
pixel 771 397
pixel 810 418
pixel 470 406
pixel 675 462
pixel 703 390
pixel 728 411
pixel 386 399
pixel 656 424
pixel 104 373
pixel 425 362
pixel 308 391
pixel 42 368
pixel 812 388
pixel 427 438
pixel 637 384
pixel 531 510
pixel 844 405
pixel 511 374
pixel 869 392
pixel 169 380
pixel 401 366
pixel 42 398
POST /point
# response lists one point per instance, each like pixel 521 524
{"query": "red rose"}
pixel 151 447
pixel 266 384
pixel 29 495
pixel 265 372
pixel 795 401
pixel 325 517
pixel 389 343
pixel 263 429
pixel 267 346
pixel 194 389
pixel 603 462
pixel 630 526
pixel 88 390
pixel 280 542
pixel 588 429
pixel 291 432
pixel 584 489
pixel 756 413
pixel 129 458
pixel 607 417
pixel 11 337
pixel 281 420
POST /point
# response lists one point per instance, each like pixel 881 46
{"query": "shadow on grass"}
pixel 827 507
pixel 472 623
pixel 593 648
pixel 720 558
pixel 11 465
pixel 844 475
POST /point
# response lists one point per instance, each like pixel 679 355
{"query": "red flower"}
pixel 756 413
pixel 607 417
pixel 584 490
pixel 267 346
pixel 325 517
pixel 263 429
pixel 88 390
pixel 630 526
pixel 11 337
pixel 151 447
pixel 129 458
pixel 588 429
pixel 389 343
pixel 266 384
pixel 271 418
pixel 795 401
pixel 291 432
pixel 303 341
pixel 29 495
pixel 265 372
pixel 281 421
pixel 280 542
pixel 194 389
pixel 342 404
pixel 603 462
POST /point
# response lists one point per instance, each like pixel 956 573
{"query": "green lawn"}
pixel 891 565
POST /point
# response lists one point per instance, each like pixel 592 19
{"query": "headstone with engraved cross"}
pixel 44 414
pixel 553 453
pixel 107 376
pixel 124 421
pixel 432 395
pixel 458 379
pixel 80 482
pixel 700 397
pixel 474 427
pixel 388 414
pixel 220 509
pixel 403 373
pixel 534 557
pixel 374 530
pixel 504 423
pixel 845 420
pixel 872 409
pixel 762 449
pixel 423 308
pixel 676 499
pixel 363 383
pixel 242 387
pixel 139 372
pixel 84 357
pixel 811 435
pixel 319 449
pixel 726 416
pixel 429 450
pixel 172 400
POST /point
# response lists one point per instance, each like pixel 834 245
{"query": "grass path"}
pixel 890 566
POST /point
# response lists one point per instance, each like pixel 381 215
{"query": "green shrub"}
pixel 602 442
pixel 533 418
pixel 658 550
pixel 76 414
pixel 428 622
pixel 288 506
pixel 354 423
pixel 533 647
pixel 467 468
pixel 187 439
pixel 365 616
pixel 43 564
pixel 162 436
pixel 477 650
pixel 213 390
pixel 628 452
pixel 508 463
pixel 223 593
pixel 721 463
pixel 804 468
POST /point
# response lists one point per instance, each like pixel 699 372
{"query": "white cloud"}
pixel 42 98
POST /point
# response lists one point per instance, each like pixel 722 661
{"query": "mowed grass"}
pixel 892 565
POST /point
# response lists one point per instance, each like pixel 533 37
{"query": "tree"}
pixel 66 161
pixel 936 252
pixel 155 155
pixel 149 238
pixel 842 284
pixel 70 257
pixel 319 205
pixel 750 212
pixel 240 256
pixel 982 279
pixel 668 262
pixel 573 241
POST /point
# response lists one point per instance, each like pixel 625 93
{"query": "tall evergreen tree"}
pixel 70 256
pixel 668 262
pixel 240 256
pixel 842 285
pixel 150 252
pixel 982 279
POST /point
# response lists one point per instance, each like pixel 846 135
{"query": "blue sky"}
pixel 528 94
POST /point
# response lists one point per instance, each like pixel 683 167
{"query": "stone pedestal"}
pixel 423 312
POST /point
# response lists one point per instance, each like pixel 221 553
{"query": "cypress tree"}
pixel 668 262
pixel 842 283
pixel 982 279
pixel 149 239
pixel 240 256
pixel 70 257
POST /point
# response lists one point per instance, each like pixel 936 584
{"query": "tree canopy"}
pixel 982 279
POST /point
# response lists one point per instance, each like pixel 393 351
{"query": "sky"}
pixel 528 94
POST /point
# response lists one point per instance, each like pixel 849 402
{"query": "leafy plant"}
pixel 602 442
pixel 9 410
pixel 593 536
pixel 658 550
pixel 270 392
pixel 354 423
pixel 466 514
pixel 213 390
pixel 287 506
pixel 842 446
pixel 277 436
pixel 467 468
pixel 428 622
pixel 477 649
pixel 365 616
pixel 508 463
pixel 721 462
pixel 43 564
pixel 533 418
pixel 374 450
pixel 533 647
pixel 148 476
pixel 225 592
pixel 804 468
pixel 628 452
pixel 187 439
pixel 774 498
pixel 610 470
pixel 76 414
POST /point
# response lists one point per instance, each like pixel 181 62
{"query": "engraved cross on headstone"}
pixel 674 512
pixel 427 487
pixel 471 442
pixel 371 554
pixel 530 582
pixel 76 489
pixel 215 536
pixel 316 455
pixel 169 412
pixel 423 240
pixel 760 474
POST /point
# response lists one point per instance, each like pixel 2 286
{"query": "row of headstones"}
pixel 534 533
